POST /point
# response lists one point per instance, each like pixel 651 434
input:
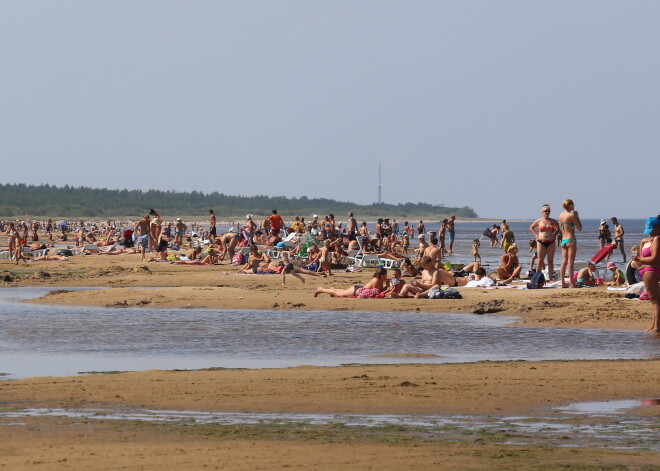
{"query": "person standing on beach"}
pixel 502 228
pixel 451 230
pixel 545 239
pixel 508 238
pixel 212 223
pixel 12 238
pixel 276 223
pixel 649 259
pixel 154 229
pixel 141 231
pixel 352 227
pixel 442 233
pixel 618 236
pixel 569 221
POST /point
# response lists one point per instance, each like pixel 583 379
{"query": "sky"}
pixel 498 105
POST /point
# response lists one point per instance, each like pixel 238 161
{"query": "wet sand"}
pixel 505 388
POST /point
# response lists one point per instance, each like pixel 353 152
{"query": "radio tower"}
pixel 379 199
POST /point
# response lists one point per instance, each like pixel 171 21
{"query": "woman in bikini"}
pixel 12 237
pixel 545 239
pixel 649 258
pixel 568 222
pixel 376 285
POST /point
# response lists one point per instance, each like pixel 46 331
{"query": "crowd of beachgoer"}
pixel 325 242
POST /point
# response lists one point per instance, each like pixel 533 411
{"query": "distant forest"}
pixel 20 200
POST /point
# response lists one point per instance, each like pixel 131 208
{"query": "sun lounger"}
pixel 38 253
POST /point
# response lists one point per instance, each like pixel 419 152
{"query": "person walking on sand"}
pixel 548 229
pixel 569 221
pixel 649 258
pixel 618 236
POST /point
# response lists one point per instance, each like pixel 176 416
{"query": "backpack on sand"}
pixel 537 281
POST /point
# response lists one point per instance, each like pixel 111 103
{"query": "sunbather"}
pixel 509 268
pixel 420 288
pixel 372 289
pixel 257 263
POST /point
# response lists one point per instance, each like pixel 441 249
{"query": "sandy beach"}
pixel 529 389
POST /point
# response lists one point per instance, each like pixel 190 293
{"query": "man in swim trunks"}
pixel 420 228
pixel 451 230
pixel 212 224
pixel 508 238
pixel 352 227
pixel 141 231
pixel 618 236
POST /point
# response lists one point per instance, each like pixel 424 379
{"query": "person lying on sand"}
pixel 375 286
pixel 50 258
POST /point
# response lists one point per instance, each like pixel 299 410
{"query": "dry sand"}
pixel 483 388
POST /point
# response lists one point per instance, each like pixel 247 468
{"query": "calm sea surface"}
pixel 37 340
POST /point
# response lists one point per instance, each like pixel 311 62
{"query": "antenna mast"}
pixel 379 199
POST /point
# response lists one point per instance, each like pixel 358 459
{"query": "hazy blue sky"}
pixel 499 105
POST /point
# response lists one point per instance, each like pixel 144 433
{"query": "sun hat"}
pixel 421 236
pixel 611 265
pixel 281 245
pixel 315 215
pixel 178 219
pixel 651 223
pixel 603 221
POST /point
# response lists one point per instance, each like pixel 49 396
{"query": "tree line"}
pixel 19 199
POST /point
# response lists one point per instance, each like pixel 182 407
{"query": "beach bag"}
pixel 451 293
pixel 436 293
pixel 537 281
pixel 637 288
pixel 237 259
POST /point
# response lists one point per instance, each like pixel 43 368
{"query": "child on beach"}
pixel 475 250
pixel 532 248
pixel 405 241
pixel 618 277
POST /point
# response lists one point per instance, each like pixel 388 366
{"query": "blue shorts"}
pixel 144 240
pixel 452 236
